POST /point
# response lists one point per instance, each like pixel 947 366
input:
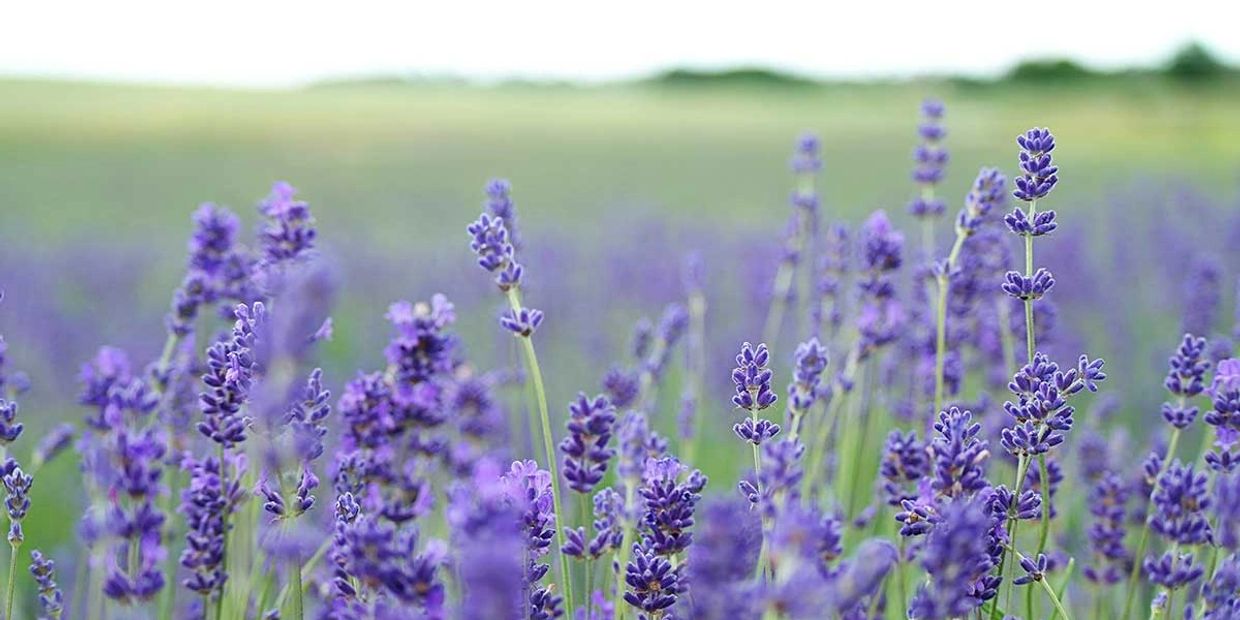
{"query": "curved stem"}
pixel 940 340
pixel 544 417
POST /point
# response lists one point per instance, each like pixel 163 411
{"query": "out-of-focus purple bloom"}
pixel 879 317
pixel 205 504
pixel 289 232
pixel 1202 297
pixel 904 462
pixel 957 558
pixel 930 160
pixel 499 203
pixel 1220 594
pixel 780 478
pixel 985 196
pixel 807 158
pixel 721 562
pixel 1173 571
pixel 810 362
pixel 1181 500
pixel 1107 503
pixel 53 443
pixel 585 449
pixel 1227 509
pixel 1185 379
pixel 51 601
pixel 622 387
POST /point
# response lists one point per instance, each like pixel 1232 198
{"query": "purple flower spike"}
pixel 586 453
pixel 930 160
pixel 808 158
pixel 653 584
pixel 752 379
pixel 289 233
pixel 490 241
pixel 1173 572
pixel 987 194
pixel 811 361
pixel 51 601
pixel 1181 500
pixel 1039 172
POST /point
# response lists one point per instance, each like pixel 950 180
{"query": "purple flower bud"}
pixel 752 379
pixel 1028 288
pixel 521 323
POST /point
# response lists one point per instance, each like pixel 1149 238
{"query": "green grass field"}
pixel 402 164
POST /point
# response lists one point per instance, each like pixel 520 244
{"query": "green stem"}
pixel 626 544
pixel 8 591
pixel 1021 464
pixel 544 417
pixel 1145 530
pixel 697 339
pixel 295 578
pixel 219 601
pixel 940 340
pixel 784 279
pixel 1029 343
pixel 1046 504
pixel 306 570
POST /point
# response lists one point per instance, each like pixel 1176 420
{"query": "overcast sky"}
pixel 279 43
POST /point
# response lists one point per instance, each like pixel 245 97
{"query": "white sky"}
pixel 278 42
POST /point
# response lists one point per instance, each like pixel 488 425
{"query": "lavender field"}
pixel 379 351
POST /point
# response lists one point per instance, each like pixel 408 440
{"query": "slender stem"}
pixel 1050 593
pixel 1145 530
pixel 940 341
pixel 306 570
pixel 8 591
pixel 697 361
pixel 295 578
pixel 1029 341
pixel 1046 503
pixel 626 544
pixel 818 450
pixel 1021 464
pixel 785 277
pixel 540 392
pixel 227 510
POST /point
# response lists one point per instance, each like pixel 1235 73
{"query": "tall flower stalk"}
pixel 988 192
pixel 1038 177
pixel 1185 381
pixel 496 254
pixel 930 159
pixel 806 164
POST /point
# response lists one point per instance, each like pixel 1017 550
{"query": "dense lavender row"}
pixel 918 453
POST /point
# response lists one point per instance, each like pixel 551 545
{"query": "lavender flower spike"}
pixel 51 601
